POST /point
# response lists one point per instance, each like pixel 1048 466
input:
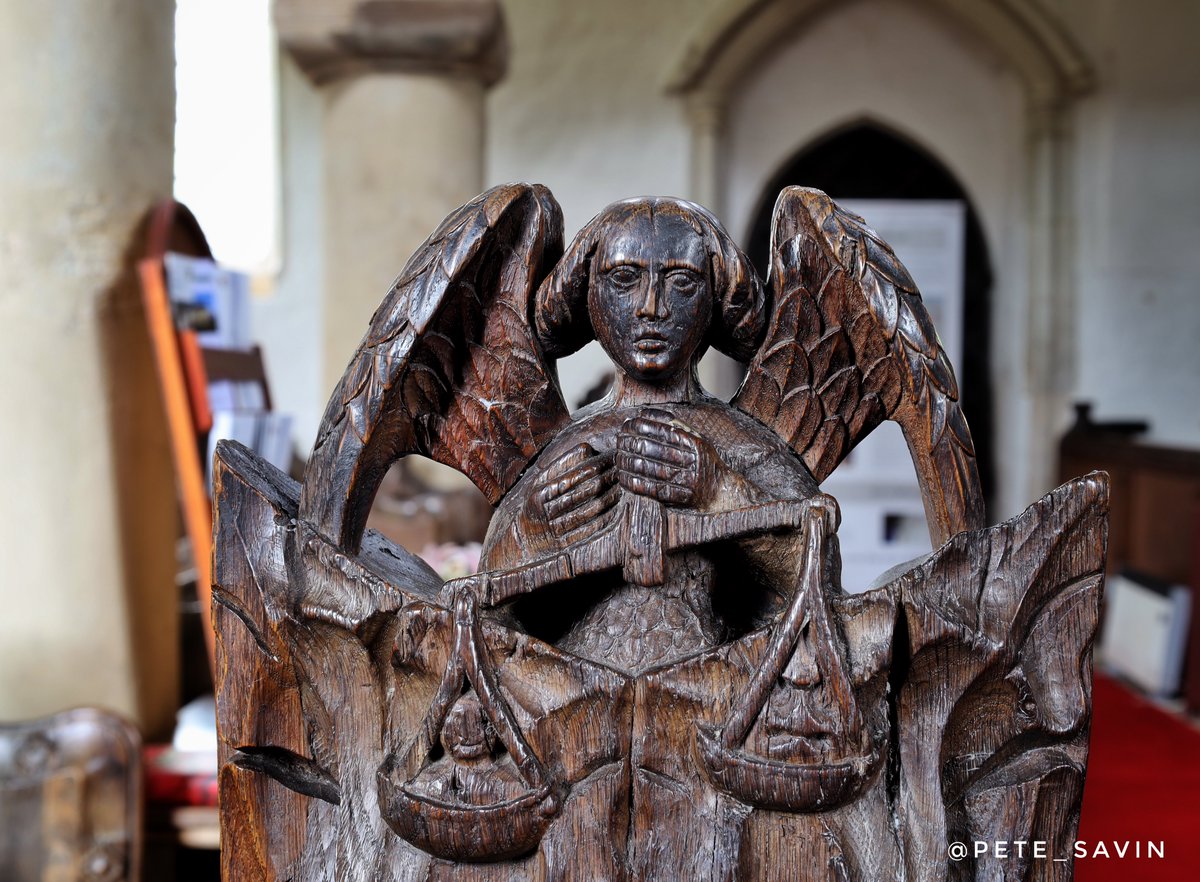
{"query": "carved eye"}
pixel 684 282
pixel 624 276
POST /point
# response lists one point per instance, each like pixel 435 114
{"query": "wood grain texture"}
pixel 449 366
pixel 656 674
pixel 71 799
pixel 850 345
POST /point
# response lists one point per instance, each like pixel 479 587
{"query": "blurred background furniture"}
pixel 70 798
pixel 1154 525
pixel 173 229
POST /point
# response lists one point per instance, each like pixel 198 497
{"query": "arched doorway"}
pixel 867 161
pixel 989 86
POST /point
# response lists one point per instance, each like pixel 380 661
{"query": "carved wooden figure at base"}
pixel 656 674
pixel 71 798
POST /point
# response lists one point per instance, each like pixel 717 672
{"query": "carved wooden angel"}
pixel 656 674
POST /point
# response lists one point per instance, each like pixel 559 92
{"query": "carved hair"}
pixel 560 311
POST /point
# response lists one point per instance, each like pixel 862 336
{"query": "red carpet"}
pixel 1143 784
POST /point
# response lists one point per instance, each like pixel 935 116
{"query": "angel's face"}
pixel 649 297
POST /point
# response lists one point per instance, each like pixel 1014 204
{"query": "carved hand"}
pixel 576 495
pixel 659 457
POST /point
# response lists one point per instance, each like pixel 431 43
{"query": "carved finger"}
pixel 585 471
pixel 665 433
pixel 663 491
pixel 553 481
pixel 575 498
pixel 655 415
pixel 588 518
pixel 641 425
pixel 655 449
pixel 684 475
pixel 573 457
pixel 581 470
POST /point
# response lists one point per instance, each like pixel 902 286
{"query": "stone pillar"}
pixel 1051 353
pixel 88 603
pixel 706 119
pixel 401 151
pixel 403 86
pixel 706 112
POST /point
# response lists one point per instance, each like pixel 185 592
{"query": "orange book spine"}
pixel 189 470
pixel 197 380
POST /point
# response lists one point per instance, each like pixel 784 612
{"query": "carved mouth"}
pixel 469 749
pixel 651 341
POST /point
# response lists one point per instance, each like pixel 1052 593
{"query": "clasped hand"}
pixel 655 456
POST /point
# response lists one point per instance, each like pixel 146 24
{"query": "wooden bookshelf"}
pixel 183 380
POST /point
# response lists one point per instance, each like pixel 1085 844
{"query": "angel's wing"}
pixel 850 345
pixel 449 367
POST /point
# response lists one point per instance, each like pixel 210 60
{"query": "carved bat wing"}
pixel 449 367
pixel 849 345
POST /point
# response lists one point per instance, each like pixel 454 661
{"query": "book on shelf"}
pixel 267 433
pixel 210 300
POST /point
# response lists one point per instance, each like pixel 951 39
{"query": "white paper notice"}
pixel 876 487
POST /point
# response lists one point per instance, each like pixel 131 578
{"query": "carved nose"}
pixel 653 305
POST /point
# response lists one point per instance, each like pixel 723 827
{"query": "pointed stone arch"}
pixel 1052 71
pixel 740 32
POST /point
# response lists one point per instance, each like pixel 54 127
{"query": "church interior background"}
pixel 1036 163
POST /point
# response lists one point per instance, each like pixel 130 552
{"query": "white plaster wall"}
pixel 584 112
pixel 287 320
pixel 88 610
pixel 370 166
pixel 1138 216
pixel 583 109
pixel 568 115
pixel 944 91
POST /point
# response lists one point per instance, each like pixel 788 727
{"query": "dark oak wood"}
pixel 71 799
pixel 656 674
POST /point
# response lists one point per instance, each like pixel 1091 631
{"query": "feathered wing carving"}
pixel 449 367
pixel 849 345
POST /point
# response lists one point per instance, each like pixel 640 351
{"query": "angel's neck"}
pixel 629 391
